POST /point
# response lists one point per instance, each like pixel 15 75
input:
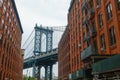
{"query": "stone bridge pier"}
pixel 48 72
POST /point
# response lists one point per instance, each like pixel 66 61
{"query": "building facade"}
pixel 11 60
pixel 64 56
pixel 94 37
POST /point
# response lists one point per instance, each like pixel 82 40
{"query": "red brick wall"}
pixel 75 36
pixel 107 25
pixel 64 56
pixel 76 18
pixel 11 61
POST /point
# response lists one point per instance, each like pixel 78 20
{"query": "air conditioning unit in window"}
pixel 79 45
pixel 102 49
pixel 98 6
pixel 1 2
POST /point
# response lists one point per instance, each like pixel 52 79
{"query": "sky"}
pixel 45 12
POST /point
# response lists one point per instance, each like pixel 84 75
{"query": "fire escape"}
pixel 88 54
pixel 91 33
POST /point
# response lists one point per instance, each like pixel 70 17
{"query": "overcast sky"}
pixel 45 12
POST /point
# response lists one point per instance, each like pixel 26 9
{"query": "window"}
pixel 88 43
pixel 9 20
pixel 84 36
pixel 0 39
pixel 80 42
pixel 11 10
pixel 112 36
pixel 5 27
pixel 100 20
pixel 118 2
pixel 103 45
pixel 8 4
pixel 86 11
pixel 1 2
pixel 91 4
pixel 98 3
pixel 4 10
pixel 7 15
pixel 94 29
pixel 2 25
pixel 3 59
pixel 79 14
pixel 95 46
pixel 109 11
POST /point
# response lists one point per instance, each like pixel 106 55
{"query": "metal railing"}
pixel 107 65
pixel 88 52
pixel 92 12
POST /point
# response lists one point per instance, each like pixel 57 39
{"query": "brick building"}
pixel 11 60
pixel 64 56
pixel 94 39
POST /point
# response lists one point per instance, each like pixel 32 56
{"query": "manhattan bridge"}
pixel 39 51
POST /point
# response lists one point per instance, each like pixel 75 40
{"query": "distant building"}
pixel 11 60
pixel 94 39
pixel 64 56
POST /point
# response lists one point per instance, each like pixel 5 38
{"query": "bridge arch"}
pixel 43 42
pixel 39 33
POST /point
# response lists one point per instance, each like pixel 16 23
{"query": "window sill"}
pixel 118 11
pixel 103 50
pixel 101 28
pixel 113 46
pixel 98 7
pixel 110 20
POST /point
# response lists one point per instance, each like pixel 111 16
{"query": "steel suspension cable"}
pixel 28 38
pixel 30 51
pixel 29 43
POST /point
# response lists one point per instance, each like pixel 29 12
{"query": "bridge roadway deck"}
pixel 47 58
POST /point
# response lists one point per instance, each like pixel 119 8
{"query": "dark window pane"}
pixel 103 45
pixel 98 3
pixel 109 11
pixel 100 20
pixel 112 36
pixel 118 2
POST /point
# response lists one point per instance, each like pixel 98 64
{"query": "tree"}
pixel 28 78
pixel 31 78
pixel 25 78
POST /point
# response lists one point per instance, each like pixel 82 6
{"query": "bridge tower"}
pixel 38 39
pixel 39 31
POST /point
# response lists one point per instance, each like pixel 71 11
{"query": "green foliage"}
pixel 28 78
pixel 31 78
pixel 25 78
